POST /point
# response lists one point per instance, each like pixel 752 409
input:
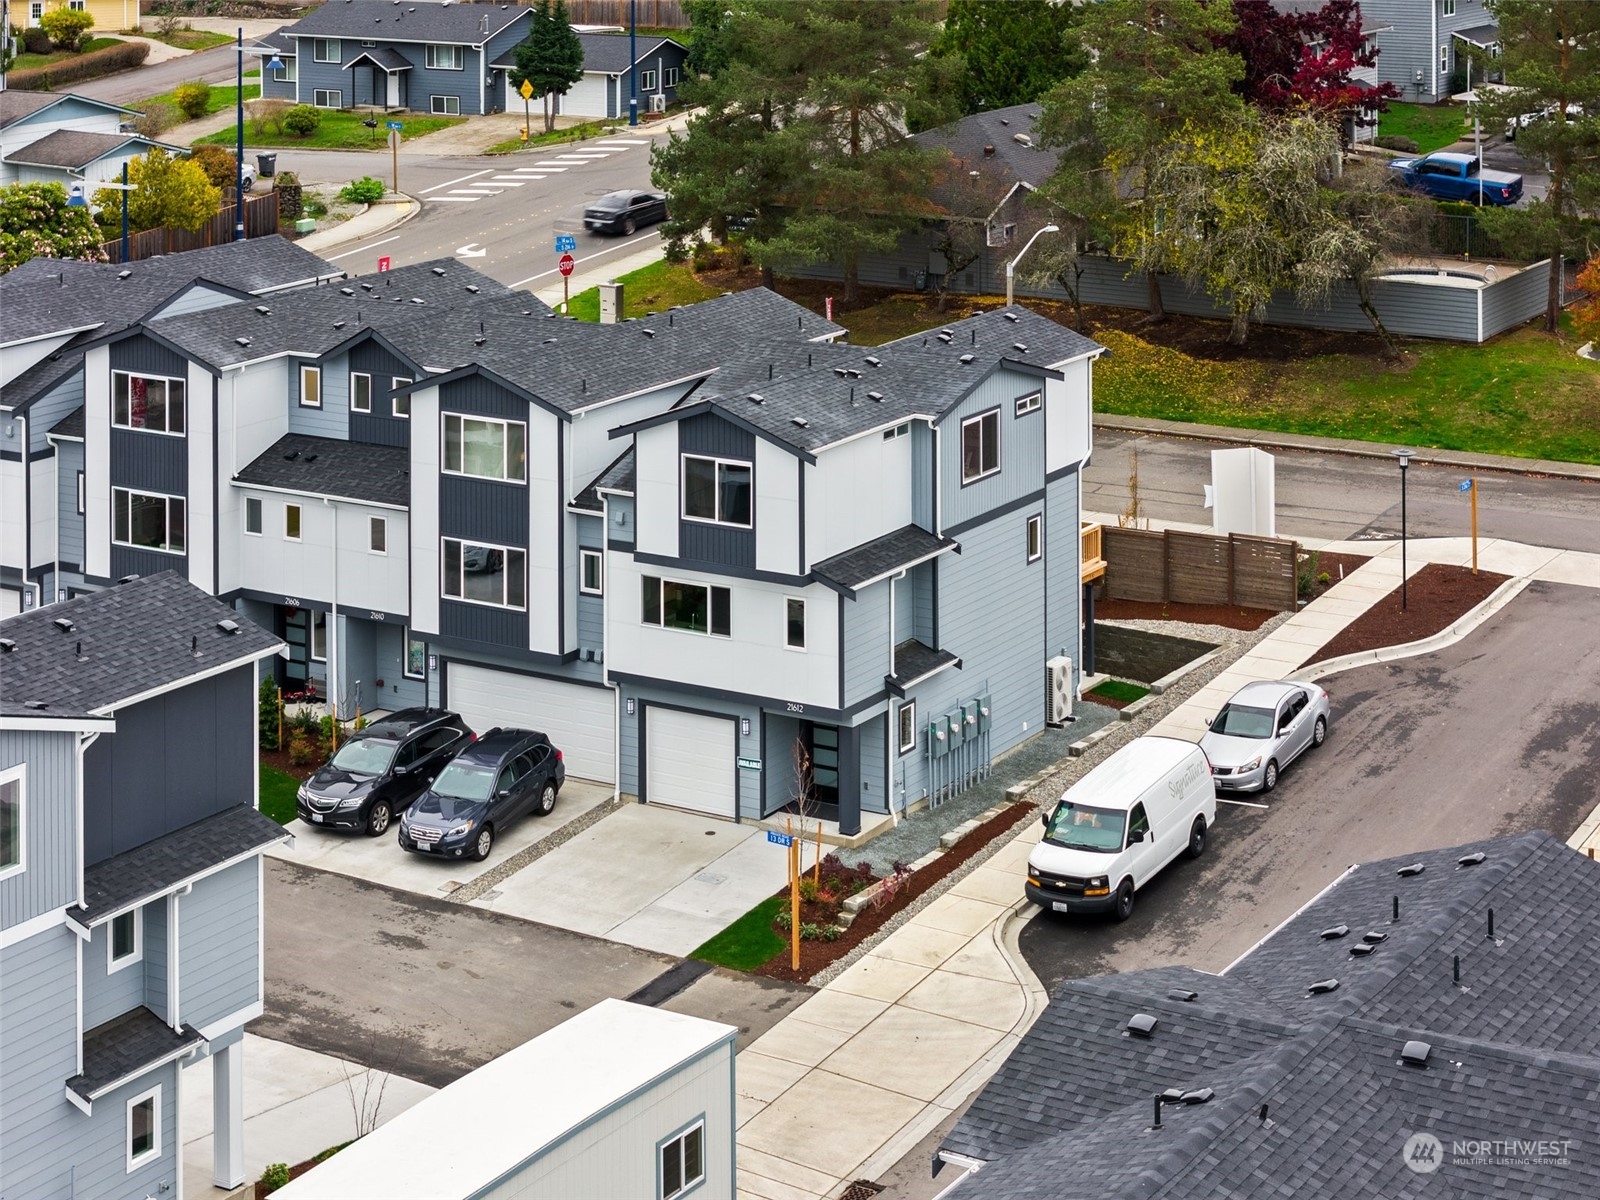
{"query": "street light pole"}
pixel 125 190
pixel 633 62
pixel 1011 267
pixel 1404 457
pixel 238 165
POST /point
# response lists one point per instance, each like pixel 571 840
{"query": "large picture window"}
pixel 692 607
pixel 980 446
pixel 483 574
pixel 484 448
pixel 446 58
pixel 151 522
pixel 12 826
pixel 149 402
pixel 717 490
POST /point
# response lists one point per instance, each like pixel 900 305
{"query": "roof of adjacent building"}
pixel 1515 1048
pixel 988 142
pixel 333 467
pixel 75 148
pixel 881 557
pixel 15 105
pixel 124 1048
pixel 423 21
pixel 88 655
pixel 603 1056
pixel 606 53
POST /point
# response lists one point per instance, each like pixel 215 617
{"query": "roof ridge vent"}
pixel 1413 869
pixel 1415 1053
pixel 1322 987
pixel 1141 1025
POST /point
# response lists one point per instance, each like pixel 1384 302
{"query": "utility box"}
pixel 957 728
pixel 938 737
pixel 969 717
pixel 1242 494
pixel 985 714
pixel 305 225
pixel 610 303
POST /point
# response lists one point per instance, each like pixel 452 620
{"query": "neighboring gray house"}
pixel 50 137
pixel 1450 1051
pixel 607 87
pixel 1421 42
pixel 131 931
pixel 424 56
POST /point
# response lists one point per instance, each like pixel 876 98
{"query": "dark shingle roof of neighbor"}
pixel 158 866
pixel 126 1045
pixel 1515 1049
pixel 70 426
pixel 1010 163
pixel 278 41
pixel 125 641
pixel 15 104
pixel 424 21
pixel 72 148
pixel 893 551
pixel 321 466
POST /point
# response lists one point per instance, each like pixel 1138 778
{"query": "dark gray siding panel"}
pixel 128 560
pixel 152 462
pixel 484 510
pixel 479 623
pixel 379 427
pixel 173 760
pixel 698 542
pixel 49 879
pixel 38 1053
pixel 140 353
pixel 483 397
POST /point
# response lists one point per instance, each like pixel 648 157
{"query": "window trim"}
pixel 318 617
pixel 788 623
pixel 288 72
pixel 457 52
pixel 366 408
pixel 332 98
pixel 906 747
pixel 405 654
pixel 82 506
pixel 337 45
pixel 261 515
pixel 444 110
pixel 299 522
pixel 134 956
pixel 19 776
pixel 647 80
pixel 977 419
pixel 168 380
pixel 660 622
pixel 716 491
pixel 685 1186
pixel 181 501
pixel 1447 8
pixel 1031 403
pixel 895 432
pixel 445 418
pixel 585 556
pixel 1035 538
pixel 309 373
pixel 670 77
pixel 374 525
pixel 505 551
pixel 400 381
pixel 135 1161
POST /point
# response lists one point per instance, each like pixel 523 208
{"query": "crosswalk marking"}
pixel 517 176
pixel 542 170
pixel 630 141
pixel 508 180
pixel 453 199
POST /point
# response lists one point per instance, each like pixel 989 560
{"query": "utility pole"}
pixel 238 165
pixel 633 62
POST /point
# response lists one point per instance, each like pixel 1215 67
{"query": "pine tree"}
pixel 550 57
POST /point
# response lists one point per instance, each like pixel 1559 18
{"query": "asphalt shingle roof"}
pixel 618 477
pixel 1008 161
pixel 125 641
pixel 914 661
pixel 334 467
pixel 882 556
pixel 70 426
pixel 72 148
pixel 422 21
pixel 125 1046
pixel 16 104
pixel 386 57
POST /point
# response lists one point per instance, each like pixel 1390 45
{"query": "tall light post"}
pixel 633 62
pixel 1011 267
pixel 1404 457
pixel 238 164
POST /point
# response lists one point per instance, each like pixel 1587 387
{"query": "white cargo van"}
pixel 1121 823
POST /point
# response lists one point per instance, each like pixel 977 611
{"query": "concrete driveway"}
pixel 649 877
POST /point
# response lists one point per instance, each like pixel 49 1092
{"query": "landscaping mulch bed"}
pixel 815 955
pixel 1438 596
pixel 280 760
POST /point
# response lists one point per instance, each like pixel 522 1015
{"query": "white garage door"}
pixel 689 762
pixel 577 719
pixel 586 98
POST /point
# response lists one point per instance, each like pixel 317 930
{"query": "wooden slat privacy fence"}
pixel 260 220
pixel 1200 568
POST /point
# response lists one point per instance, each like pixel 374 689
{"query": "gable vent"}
pixel 1413 869
pixel 1323 986
pixel 64 624
pixel 1338 931
pixel 1471 860
pixel 1415 1053
pixel 1184 995
pixel 1141 1025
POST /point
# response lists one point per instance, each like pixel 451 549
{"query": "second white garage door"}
pixel 576 718
pixel 689 762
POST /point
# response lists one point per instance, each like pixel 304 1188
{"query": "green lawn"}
pixel 339 131
pixel 650 289
pixel 221 98
pixel 1115 689
pixel 277 794
pixel 749 941
pixel 1431 126
pixel 191 39
pixel 26 62
pixel 557 137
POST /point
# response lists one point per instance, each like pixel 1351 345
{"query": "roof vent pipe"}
pixel 1157 1124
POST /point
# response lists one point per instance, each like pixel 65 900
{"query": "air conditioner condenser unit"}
pixel 1058 673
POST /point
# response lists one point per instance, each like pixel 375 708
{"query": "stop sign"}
pixel 566 264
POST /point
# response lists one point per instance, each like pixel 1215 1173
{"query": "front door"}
pixel 295 630
pixel 392 79
pixel 822 743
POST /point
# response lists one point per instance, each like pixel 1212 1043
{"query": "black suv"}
pixel 380 770
pixel 489 784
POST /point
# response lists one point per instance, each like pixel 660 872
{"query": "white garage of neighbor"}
pixel 690 761
pixel 578 718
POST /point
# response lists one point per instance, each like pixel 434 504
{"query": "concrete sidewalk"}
pixel 903 1037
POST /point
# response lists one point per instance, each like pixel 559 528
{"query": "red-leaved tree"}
pixel 1298 60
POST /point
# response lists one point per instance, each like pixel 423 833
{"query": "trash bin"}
pixel 267 165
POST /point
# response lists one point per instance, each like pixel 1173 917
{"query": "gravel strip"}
pixel 469 892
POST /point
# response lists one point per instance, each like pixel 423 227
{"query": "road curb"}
pixel 410 205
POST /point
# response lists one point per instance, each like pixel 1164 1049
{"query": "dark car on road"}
pixel 502 776
pixel 381 770
pixel 624 212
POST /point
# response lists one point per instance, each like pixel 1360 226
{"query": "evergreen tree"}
pixel 550 57
pixel 1014 50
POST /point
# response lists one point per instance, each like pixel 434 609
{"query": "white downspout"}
pixel 891 724
pixel 174 970
pixel 77 866
pixel 605 647
pixel 938 508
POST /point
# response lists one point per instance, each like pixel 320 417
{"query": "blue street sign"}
pixel 394 125
pixel 565 243
pixel 1466 485
pixel 782 839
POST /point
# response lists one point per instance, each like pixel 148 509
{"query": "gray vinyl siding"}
pixel 922 584
pixel 1021 450
pixel 39 1129
pixel 379 427
pixel 1063 589
pixel 905 609
pixel 219 944
pixel 48 880
pixel 865 643
pixel 388 662
pixel 198 298
pixel 1512 302
pixel 631 728
pixel 173 760
pixel 922 474
pixel 416 85
pixel 46 412
pixel 273 88
pixel 357 649
pixel 777 784
pixel 69 521
pixel 107 995
pixel 698 542
pixel 331 419
pixel 155 957
pixel 99 1143
pixel 619 511
pixel 1405 47
pixel 874 793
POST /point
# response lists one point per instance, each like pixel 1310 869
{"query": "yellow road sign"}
pixel 527 90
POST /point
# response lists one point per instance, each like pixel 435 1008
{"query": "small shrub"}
pixel 365 190
pixel 274 1177
pixel 784 920
pixel 300 751
pixel 810 932
pixel 1395 141
pixel 302 120
pixel 155 120
pixel 193 99
pixel 122 57
pixel 168 23
pixel 66 27
pixel 1306 577
pixel 809 891
pixel 266 116
pixel 704 256
pixel 220 166
pixel 270 708
pixel 35 40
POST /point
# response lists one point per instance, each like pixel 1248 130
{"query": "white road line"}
pixel 541 168
pixel 480 191
pixel 453 199
pixel 1242 803
pixel 368 246
pixel 463 179
pixel 509 181
pixel 630 141
pixel 538 171
pixel 585 258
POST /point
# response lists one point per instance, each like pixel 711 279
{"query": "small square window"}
pixel 1035 540
pixel 1028 404
pixel 378 534
pixel 795 623
pixel 360 392
pixel 252 515
pixel 144 1129
pixel 126 941
pixel 908 726
pixel 592 567
pixel 291 522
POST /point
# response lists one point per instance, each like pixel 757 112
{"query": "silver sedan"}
pixel 1261 730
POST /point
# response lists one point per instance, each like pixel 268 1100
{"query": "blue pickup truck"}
pixel 1447 176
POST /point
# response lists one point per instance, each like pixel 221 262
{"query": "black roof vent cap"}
pixel 1338 931
pixel 438 270
pixel 874 361
pixel 340 324
pixel 801 422
pixel 8 645
pixel 1322 986
pixel 840 372
pixel 229 627
pixel 1471 860
pixel 263 310
pixel 35 704
pixel 1012 317
pixel 945 337
pixel 123 274
pixel 64 624
pixel 1415 1053
pixel 1374 936
pixel 1173 1095
pixel 1183 994
pixel 966 359
pixel 757 397
pixel 649 333
pixel 878 396
pixel 347 291
pixel 1362 949
pixel 1413 869
pixel 473 288
pixel 243 341
pixel 1141 1025
pixel 1020 347
pixel 1198 1096
pixel 127 579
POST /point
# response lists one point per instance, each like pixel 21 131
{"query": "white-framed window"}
pixel 144 1128
pixel 591 572
pixel 446 58
pixel 149 521
pixel 899 431
pixel 1448 8
pixel 416 657
pixel 360 392
pixel 77 5
pixel 252 515
pixel 125 941
pixel 669 77
pixel 1029 403
pixel 287 73
pixel 691 607
pixel 1444 58
pixel 378 535
pixel 485 448
pixel 319 636
pixel 980 446
pixel 291 522
pixel 310 387
pixel 152 403
pixel 444 106
pixel 13 820
pixel 35 10
pixel 682 1162
pixel 1035 538
pixel 647 81
pixel 906 719
pixel 327 98
pixel 481 574
pixel 401 405
pixel 326 50
pixel 81 506
pixel 794 623
pixel 716 490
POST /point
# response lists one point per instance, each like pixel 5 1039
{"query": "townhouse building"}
pixel 1423 43
pixel 130 885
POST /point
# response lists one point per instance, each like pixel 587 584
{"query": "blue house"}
pixel 607 86
pixel 425 57
pixel 130 884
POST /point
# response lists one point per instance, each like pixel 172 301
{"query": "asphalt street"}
pixel 1494 735
pixel 217 65
pixel 443 987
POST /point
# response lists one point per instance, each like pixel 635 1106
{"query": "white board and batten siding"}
pixel 690 761
pixel 631 1077
pixel 578 719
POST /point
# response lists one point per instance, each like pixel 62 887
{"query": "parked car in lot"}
pixel 381 770
pixel 1574 114
pixel 504 775
pixel 1448 176
pixel 624 212
pixel 1261 730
